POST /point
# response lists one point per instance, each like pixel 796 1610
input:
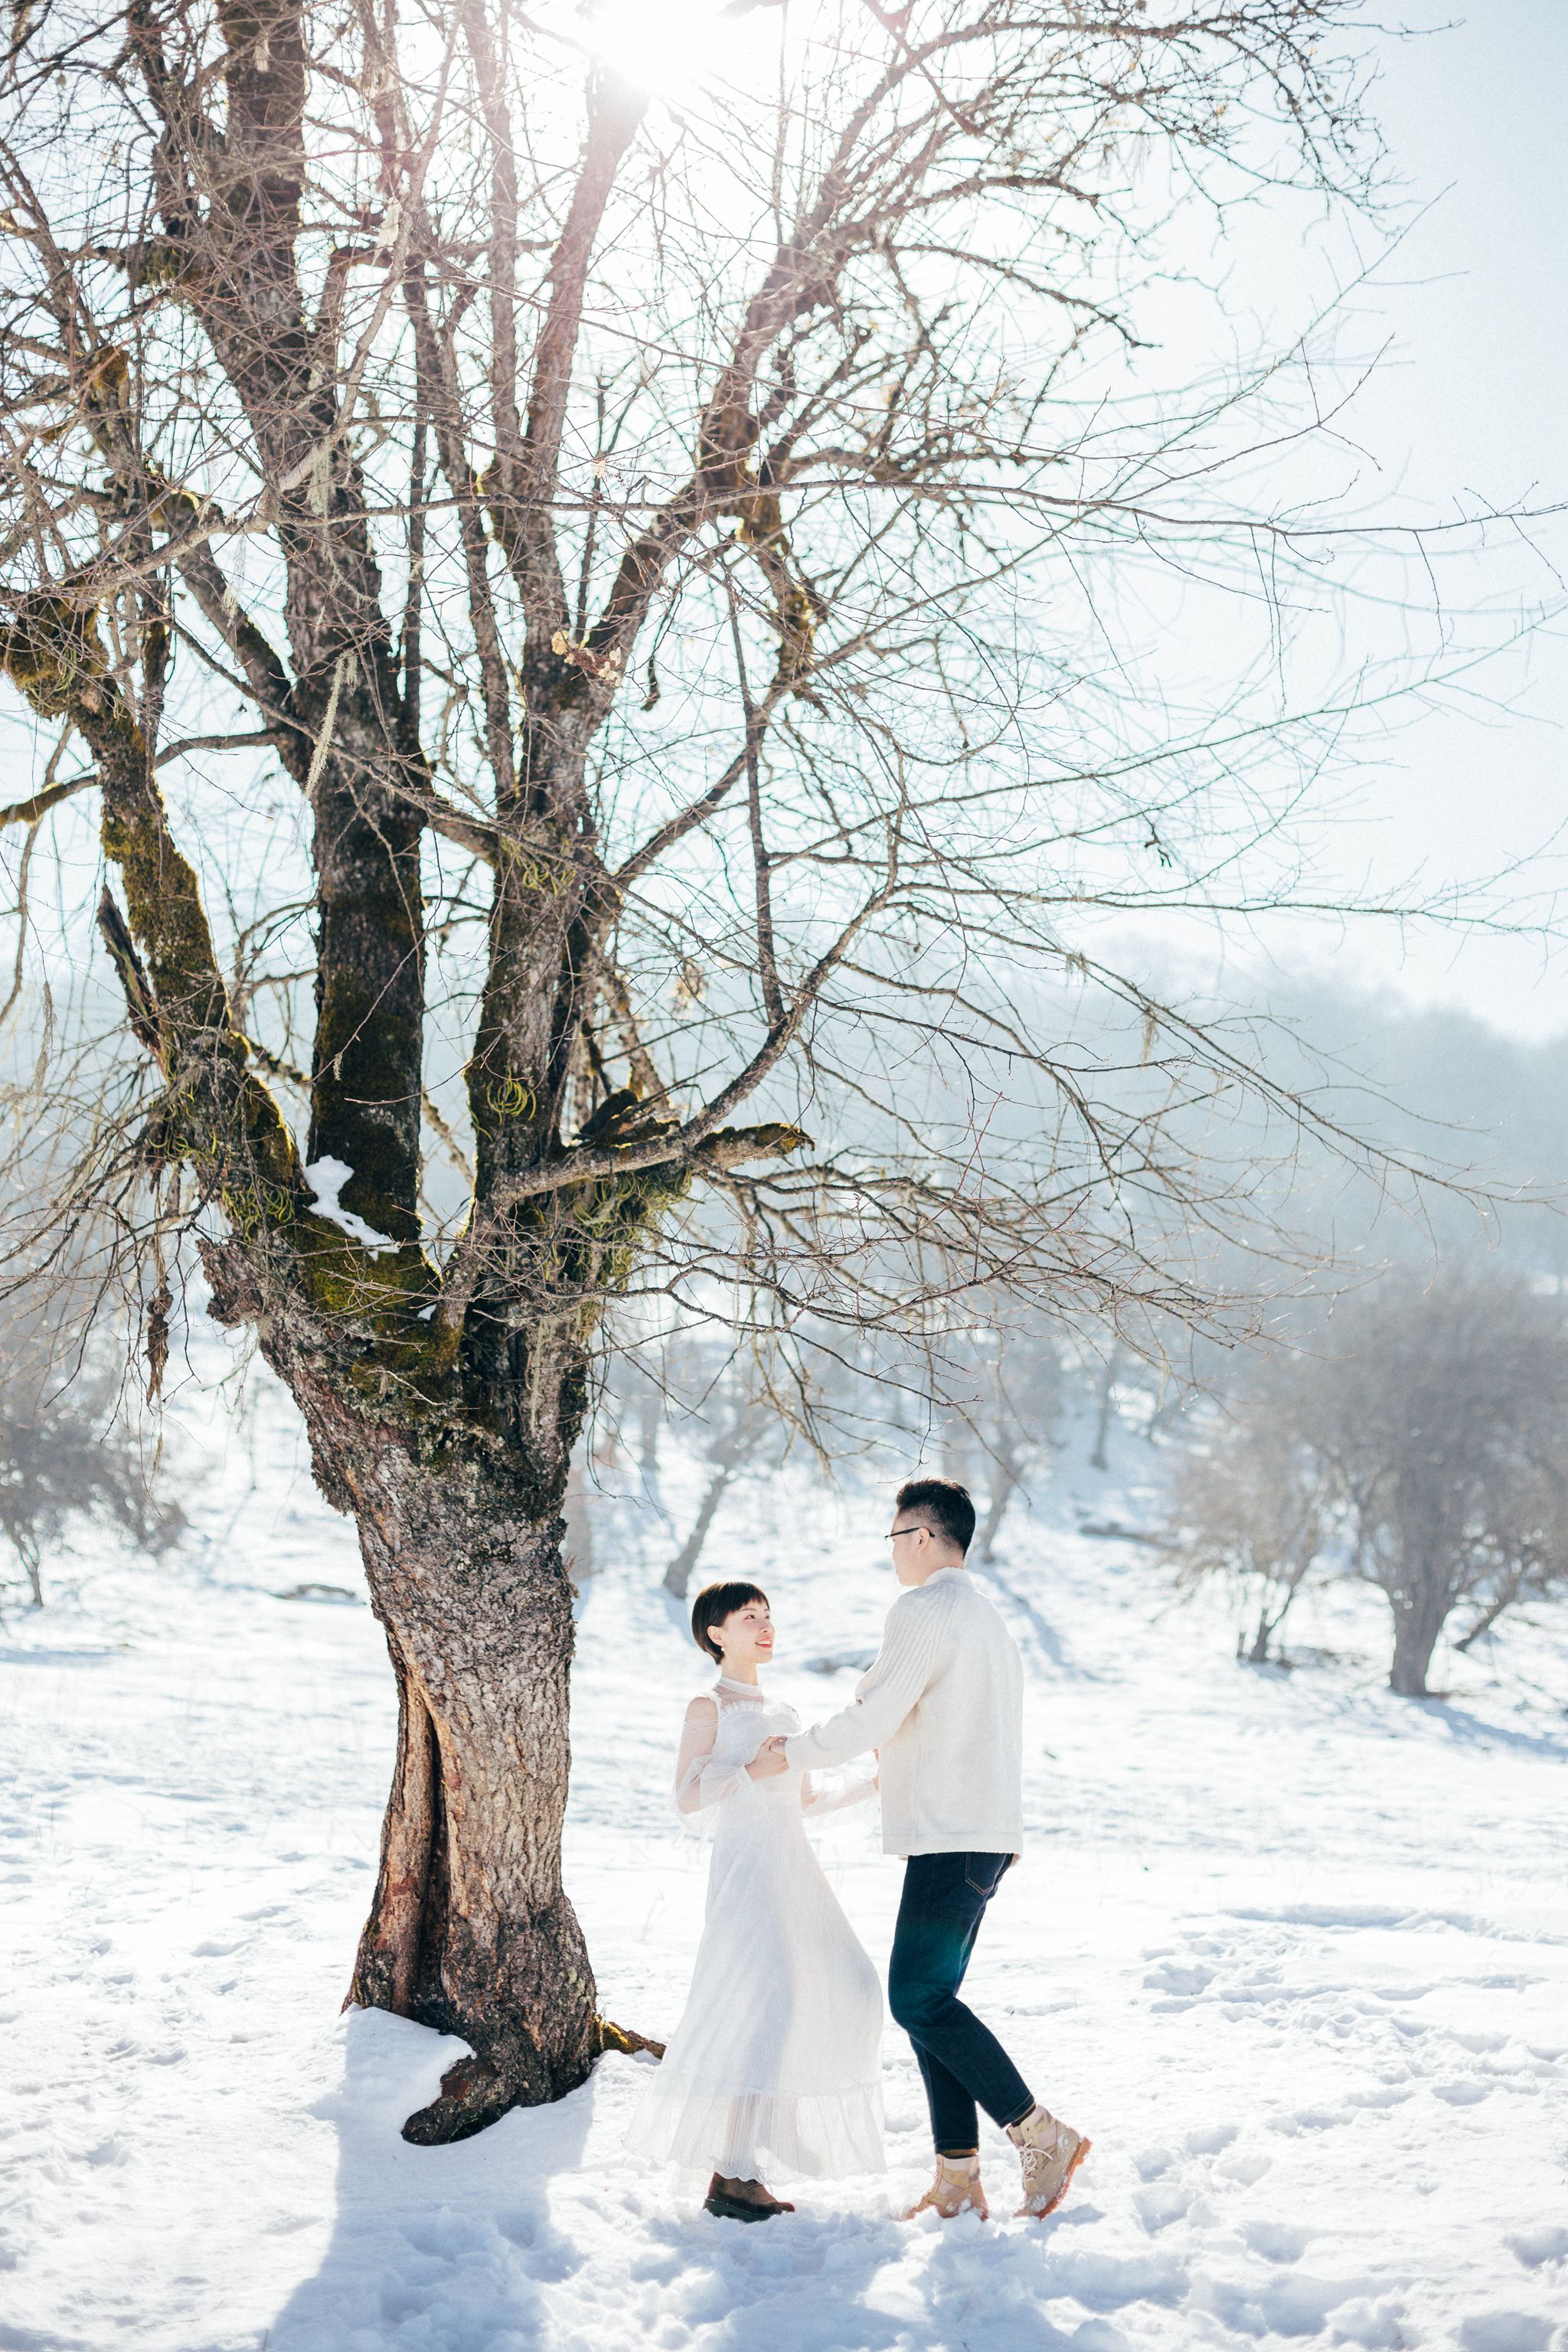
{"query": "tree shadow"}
pixel 1039 1636
pixel 87 1654
pixel 1476 1731
pixel 440 2247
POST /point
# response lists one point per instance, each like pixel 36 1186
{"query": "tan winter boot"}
pixel 1050 2152
pixel 956 2190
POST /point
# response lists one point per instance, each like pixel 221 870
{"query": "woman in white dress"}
pixel 776 2059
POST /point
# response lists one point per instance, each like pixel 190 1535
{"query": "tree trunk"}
pixel 471 1930
pixel 678 1575
pixel 651 1419
pixel 1269 1626
pixel 1420 1612
pixel 1259 1654
pixel 1004 1485
pixel 1099 1459
pixel 580 1557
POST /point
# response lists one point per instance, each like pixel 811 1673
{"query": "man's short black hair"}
pixel 943 1504
pixel 716 1601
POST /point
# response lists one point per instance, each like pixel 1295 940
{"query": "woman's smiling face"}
pixel 746 1638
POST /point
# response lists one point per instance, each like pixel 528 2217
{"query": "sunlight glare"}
pixel 668 46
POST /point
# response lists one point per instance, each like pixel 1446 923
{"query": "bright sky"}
pixel 1466 404
pixel 1472 400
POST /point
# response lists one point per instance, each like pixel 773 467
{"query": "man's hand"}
pixel 769 1760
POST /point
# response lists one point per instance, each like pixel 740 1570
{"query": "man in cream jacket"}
pixel 943 1707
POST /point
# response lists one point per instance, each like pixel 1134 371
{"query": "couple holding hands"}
pixel 776 2059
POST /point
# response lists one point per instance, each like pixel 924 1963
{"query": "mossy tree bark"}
pixel 458 1497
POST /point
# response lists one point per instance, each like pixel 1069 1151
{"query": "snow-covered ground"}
pixel 1294 1952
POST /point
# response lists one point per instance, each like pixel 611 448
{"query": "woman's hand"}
pixel 769 1760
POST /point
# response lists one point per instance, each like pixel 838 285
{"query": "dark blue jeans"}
pixel 961 2060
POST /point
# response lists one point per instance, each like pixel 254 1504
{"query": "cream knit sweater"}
pixel 944 1705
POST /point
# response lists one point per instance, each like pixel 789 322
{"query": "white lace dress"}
pixel 775 2063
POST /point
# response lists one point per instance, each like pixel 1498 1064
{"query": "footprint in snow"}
pixel 1248 2167
pixel 1172 1979
pixel 1506 2331
pixel 1313 2119
pixel 1277 2242
pixel 1376 2325
pixel 1158 2208
pixel 1535 2247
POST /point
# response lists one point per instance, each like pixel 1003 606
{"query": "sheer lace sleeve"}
pixel 815 1801
pixel 700 1784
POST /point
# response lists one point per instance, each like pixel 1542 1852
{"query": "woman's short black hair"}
pixel 712 1605
pixel 944 1505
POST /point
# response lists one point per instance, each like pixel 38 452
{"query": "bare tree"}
pixel 1254 1504
pixel 580 1553
pixel 724 1455
pixel 67 1453
pixel 627 528
pixel 737 1427
pixel 1441 1411
pixel 1418 1438
pixel 650 1425
pixel 1110 1371
pixel 1006 1393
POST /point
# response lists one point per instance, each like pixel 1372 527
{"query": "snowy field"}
pixel 1293 1952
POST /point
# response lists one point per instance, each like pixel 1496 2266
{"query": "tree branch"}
pixel 442 396
pixel 29 811
pixel 767 962
pixel 522 496
pixel 176 1001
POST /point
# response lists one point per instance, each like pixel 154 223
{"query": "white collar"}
pixel 742 1690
